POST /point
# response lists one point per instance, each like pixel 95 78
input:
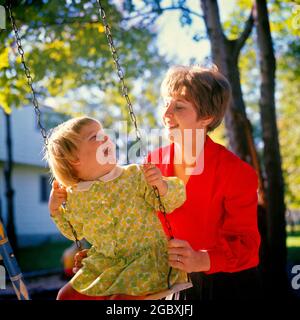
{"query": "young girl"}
pixel 113 208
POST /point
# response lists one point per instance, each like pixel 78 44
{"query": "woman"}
pixel 215 231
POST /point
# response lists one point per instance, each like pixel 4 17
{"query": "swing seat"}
pixel 176 288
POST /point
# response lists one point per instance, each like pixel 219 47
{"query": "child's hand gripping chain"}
pixel 58 196
pixel 154 177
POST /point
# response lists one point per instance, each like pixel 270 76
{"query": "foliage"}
pixel 67 52
pixel 289 120
pixel 287 50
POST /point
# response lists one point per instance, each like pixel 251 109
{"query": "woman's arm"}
pixel 238 239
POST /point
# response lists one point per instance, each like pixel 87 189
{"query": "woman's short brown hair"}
pixel 206 88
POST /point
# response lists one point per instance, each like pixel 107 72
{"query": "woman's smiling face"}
pixel 181 114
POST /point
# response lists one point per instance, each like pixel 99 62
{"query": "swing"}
pixel 176 288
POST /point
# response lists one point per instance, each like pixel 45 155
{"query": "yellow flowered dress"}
pixel 129 247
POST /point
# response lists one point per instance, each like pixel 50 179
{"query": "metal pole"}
pixel 10 262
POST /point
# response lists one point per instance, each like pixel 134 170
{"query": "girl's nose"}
pixel 102 138
pixel 105 138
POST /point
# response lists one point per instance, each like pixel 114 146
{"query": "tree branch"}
pixel 182 8
pixel 245 34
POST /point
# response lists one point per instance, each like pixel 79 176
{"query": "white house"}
pixel 30 176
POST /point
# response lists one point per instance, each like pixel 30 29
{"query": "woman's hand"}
pixel 154 177
pixel 79 256
pixel 58 195
pixel 182 256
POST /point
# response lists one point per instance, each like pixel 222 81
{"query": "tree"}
pixel 275 185
pixel 289 119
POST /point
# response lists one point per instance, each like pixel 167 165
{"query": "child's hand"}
pixel 154 178
pixel 58 195
pixel 79 256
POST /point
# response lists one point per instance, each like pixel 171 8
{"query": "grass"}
pixel 46 256
pixel 293 244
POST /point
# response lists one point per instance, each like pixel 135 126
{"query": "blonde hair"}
pixel 62 149
pixel 206 88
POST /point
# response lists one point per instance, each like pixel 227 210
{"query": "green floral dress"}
pixel 129 247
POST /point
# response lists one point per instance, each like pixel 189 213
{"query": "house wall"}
pixel 32 222
pixel 27 140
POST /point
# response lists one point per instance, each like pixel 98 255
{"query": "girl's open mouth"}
pixel 106 151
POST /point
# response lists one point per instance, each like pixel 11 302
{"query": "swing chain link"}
pixel 28 75
pixel 78 243
pixel 34 95
pixel 162 209
pixel 120 72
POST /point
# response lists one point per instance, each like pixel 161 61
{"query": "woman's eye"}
pixel 178 107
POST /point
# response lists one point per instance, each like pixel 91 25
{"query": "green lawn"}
pixel 47 256
pixel 293 244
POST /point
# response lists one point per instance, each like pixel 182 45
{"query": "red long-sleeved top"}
pixel 220 213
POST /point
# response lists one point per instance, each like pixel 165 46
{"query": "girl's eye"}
pixel 93 138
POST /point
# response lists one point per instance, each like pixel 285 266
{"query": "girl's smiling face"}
pixel 96 153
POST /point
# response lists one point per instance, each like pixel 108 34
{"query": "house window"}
pixel 50 120
pixel 45 188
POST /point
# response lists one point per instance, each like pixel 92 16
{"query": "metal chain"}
pixel 120 72
pixel 124 89
pixel 34 95
pixel 78 243
pixel 28 74
pixel 162 209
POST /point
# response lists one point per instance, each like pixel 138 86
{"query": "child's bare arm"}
pixel 58 195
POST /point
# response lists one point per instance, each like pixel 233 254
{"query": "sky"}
pixel 176 42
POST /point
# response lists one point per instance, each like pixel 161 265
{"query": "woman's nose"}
pixel 168 112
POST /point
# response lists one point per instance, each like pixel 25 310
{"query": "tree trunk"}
pixel 276 233
pixel 8 167
pixel 225 57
